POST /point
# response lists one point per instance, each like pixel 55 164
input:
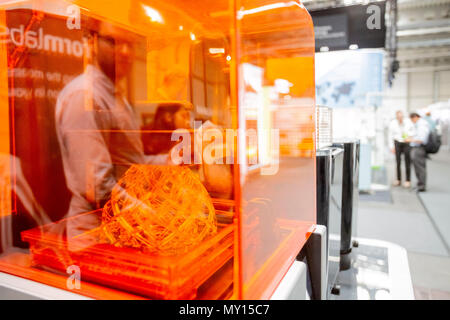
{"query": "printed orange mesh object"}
pixel 160 209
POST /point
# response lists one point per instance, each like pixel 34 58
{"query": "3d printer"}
pixel 157 149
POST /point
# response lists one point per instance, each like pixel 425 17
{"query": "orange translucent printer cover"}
pixel 156 149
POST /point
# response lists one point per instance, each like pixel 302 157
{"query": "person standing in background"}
pixel 431 123
pixel 418 153
pixel 399 130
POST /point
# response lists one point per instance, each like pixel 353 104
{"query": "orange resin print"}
pixel 160 209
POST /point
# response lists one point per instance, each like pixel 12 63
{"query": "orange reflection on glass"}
pixel 158 209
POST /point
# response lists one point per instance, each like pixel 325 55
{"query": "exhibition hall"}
pixel 224 150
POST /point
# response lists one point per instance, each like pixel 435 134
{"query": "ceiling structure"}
pixel 422 31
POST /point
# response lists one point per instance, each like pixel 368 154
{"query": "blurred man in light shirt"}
pixel 399 130
pixel 418 153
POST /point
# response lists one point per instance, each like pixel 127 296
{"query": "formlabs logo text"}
pixel 38 40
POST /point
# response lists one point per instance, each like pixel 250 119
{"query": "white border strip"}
pixel 35 289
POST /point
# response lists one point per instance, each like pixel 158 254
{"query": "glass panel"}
pixel 91 95
pixel 276 64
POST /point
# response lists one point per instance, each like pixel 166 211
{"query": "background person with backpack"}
pixel 399 130
pixel 417 143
